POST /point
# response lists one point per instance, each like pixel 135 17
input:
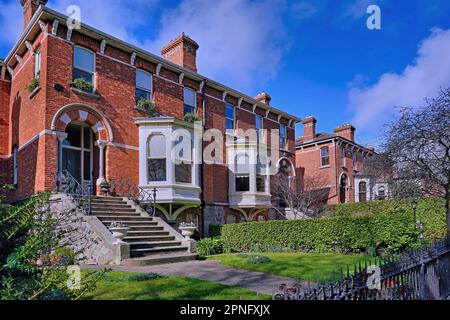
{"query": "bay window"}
pixel 143 85
pixel 183 160
pixel 156 158
pixel 242 177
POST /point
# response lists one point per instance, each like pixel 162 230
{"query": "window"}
pixel 37 64
pixel 342 156
pixel 260 176
pixel 381 193
pixel 189 101
pixel 355 160
pixel 362 191
pixel 259 126
pixel 183 165
pixel 143 85
pixel 229 114
pixel 156 158
pixel 242 165
pixel 15 166
pixel 282 136
pixel 324 156
pixel 83 65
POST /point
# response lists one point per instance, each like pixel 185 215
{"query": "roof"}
pixel 44 14
pixel 321 137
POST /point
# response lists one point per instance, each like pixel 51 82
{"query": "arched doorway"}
pixel 78 153
pixel 343 189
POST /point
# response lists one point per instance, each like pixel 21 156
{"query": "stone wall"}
pixel 213 215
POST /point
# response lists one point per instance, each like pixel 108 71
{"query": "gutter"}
pixel 202 194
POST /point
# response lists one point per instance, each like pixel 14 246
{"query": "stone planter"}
pixel 105 188
pixel 187 232
pixel 119 232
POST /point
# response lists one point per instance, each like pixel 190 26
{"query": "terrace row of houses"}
pixel 68 100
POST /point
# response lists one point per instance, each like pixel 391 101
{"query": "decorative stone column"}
pixel 61 136
pixel 101 159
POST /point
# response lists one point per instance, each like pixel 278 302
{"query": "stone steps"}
pixel 154 244
pixel 141 238
pixel 159 250
pixel 160 259
pixel 124 218
pixel 146 233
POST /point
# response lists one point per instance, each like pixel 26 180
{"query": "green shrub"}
pixel 430 211
pixel 343 234
pixel 82 84
pixel 33 85
pixel 215 231
pixel 147 107
pixel 190 117
pixel 256 259
pixel 209 246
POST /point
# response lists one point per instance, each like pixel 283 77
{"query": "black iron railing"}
pixel 124 187
pixel 79 193
pixel 419 274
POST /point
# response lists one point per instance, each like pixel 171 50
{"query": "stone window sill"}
pixel 34 92
pixel 325 167
pixel 88 94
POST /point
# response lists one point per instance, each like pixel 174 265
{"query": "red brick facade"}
pixel 33 122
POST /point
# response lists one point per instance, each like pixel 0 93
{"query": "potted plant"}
pixel 105 186
pixel 187 229
pixel 147 107
pixel 190 117
pixel 118 229
pixel 82 84
pixel 34 84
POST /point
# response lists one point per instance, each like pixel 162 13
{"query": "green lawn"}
pixel 295 265
pixel 117 285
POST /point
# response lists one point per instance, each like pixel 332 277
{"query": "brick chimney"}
pixel 29 9
pixel 263 97
pixel 346 131
pixel 182 51
pixel 309 128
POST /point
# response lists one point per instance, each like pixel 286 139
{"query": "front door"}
pixel 77 152
pixel 343 189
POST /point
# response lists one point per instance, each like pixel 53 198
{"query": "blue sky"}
pixel 315 57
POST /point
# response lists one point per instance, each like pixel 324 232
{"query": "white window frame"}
pixel 15 166
pixel 195 100
pixel 151 83
pixel 323 157
pixel 184 160
pixel 94 86
pixel 283 138
pixel 37 64
pixel 155 158
pixel 234 116
pixel 246 173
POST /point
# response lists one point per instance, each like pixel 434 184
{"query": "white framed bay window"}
pixel 156 158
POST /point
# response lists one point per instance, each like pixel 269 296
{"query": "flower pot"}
pixel 105 188
pixel 187 232
pixel 119 232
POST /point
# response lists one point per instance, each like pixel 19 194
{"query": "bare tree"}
pixel 417 144
pixel 292 200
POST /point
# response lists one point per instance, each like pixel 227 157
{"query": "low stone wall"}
pixel 92 242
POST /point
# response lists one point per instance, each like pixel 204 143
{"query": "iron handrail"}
pixel 79 193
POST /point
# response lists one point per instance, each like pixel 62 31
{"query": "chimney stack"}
pixel 182 51
pixel 29 9
pixel 264 97
pixel 309 128
pixel 346 131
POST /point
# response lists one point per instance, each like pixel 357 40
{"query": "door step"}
pixel 160 259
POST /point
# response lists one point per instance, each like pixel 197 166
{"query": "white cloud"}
pixel 242 42
pixel 423 78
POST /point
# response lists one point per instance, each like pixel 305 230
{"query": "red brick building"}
pixel 92 129
pixel 336 163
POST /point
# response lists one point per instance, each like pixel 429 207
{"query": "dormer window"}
pixel 143 85
pixel 84 65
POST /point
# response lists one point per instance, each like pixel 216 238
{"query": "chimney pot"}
pixel 309 128
pixel 264 97
pixel 182 51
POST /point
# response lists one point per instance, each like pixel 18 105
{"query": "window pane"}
pixel 325 161
pixel 260 183
pixel 230 124
pixel 142 94
pixel 189 109
pixel 242 163
pixel 79 74
pixel 73 136
pixel 156 169
pixel 259 122
pixel 87 165
pixel 189 97
pixel 72 162
pixel 242 183
pixel 324 152
pixel 87 138
pixel 143 80
pixel 229 111
pixel 183 173
pixel 156 146
pixel 37 65
pixel 83 59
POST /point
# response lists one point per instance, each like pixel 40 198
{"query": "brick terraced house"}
pixel 336 163
pixel 68 101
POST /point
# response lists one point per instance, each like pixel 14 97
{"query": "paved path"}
pixel 211 270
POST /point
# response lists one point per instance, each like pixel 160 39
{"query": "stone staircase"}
pixel 151 241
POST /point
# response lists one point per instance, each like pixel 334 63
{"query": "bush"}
pixel 33 85
pixel 147 107
pixel 82 84
pixel 190 117
pixel 254 259
pixel 344 234
pixel 430 211
pixel 215 231
pixel 209 246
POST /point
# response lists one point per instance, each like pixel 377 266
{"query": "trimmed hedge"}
pixel 344 234
pixel 430 211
